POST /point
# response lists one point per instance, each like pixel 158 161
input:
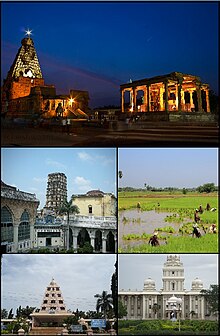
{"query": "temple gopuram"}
pixel 25 94
pixel 174 92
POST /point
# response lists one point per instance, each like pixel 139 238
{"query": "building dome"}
pixel 149 284
pixel 197 283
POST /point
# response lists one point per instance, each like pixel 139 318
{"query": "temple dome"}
pixel 197 283
pixel 149 284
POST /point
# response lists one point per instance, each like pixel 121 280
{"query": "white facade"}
pixel 152 304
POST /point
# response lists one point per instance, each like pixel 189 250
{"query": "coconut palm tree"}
pixel 68 208
pixel 104 302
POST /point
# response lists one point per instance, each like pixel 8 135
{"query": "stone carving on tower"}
pixel 24 73
pixel 56 191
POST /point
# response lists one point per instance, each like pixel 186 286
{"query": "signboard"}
pixel 76 328
pixel 98 323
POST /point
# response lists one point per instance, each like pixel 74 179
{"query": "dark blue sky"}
pixel 98 46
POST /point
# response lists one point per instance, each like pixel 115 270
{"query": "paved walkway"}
pixel 161 134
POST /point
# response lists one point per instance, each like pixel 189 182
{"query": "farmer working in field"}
pixel 196 231
pixel 196 216
pixel 200 209
pixel 154 240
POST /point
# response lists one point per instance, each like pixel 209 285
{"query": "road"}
pixel 161 135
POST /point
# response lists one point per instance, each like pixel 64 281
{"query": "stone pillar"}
pixel 74 241
pixel 144 307
pixel 15 239
pixel 207 100
pixel 166 95
pixel 191 100
pixel 134 100
pixel 190 306
pixel 131 100
pixel 92 241
pixel 161 99
pixel 179 96
pixel 116 246
pixel 145 99
pixel 122 101
pixel 104 244
pixel 199 97
pixel 148 98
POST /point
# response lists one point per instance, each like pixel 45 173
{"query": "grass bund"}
pixel 181 208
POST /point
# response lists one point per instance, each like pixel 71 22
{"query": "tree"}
pixel 10 314
pixel 207 187
pixel 68 208
pixel 104 303
pixel 4 313
pixel 24 312
pixel 114 289
pixel 185 191
pixel 212 295
pixel 122 310
pixel 120 174
pixel 86 248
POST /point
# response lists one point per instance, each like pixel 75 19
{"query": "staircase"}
pixel 46 331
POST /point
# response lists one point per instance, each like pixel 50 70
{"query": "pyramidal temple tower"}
pixel 53 300
pixel 24 73
pixel 56 191
pixel 53 309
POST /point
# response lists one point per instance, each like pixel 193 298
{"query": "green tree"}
pixel 114 289
pixel 185 191
pixel 207 188
pixel 10 314
pixel 104 303
pixel 122 310
pixel 4 313
pixel 68 208
pixel 86 248
pixel 212 295
pixel 24 312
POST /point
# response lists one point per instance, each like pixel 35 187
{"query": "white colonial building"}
pixel 167 302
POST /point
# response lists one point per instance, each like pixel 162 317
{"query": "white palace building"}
pixel 170 301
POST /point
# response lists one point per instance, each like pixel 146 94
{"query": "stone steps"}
pixel 46 331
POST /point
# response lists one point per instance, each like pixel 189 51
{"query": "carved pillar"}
pixel 207 100
pixel 122 101
pixel 161 99
pixel 134 100
pixel 166 95
pixel 191 100
pixel 74 241
pixel 199 96
pixel 179 95
pixel 148 98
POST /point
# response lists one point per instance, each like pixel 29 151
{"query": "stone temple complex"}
pixel 25 94
pixel 151 303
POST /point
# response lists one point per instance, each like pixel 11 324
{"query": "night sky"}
pixel 97 46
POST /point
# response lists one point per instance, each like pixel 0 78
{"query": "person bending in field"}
pixel 196 231
pixel 213 229
pixel 208 207
pixel 138 205
pixel 154 240
pixel 200 209
pixel 196 216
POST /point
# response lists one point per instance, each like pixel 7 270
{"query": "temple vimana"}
pixel 25 94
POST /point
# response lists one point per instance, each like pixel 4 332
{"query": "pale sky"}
pixel 85 168
pixel 24 279
pixel 168 167
pixel 134 269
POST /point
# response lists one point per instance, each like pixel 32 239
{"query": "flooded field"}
pixel 136 221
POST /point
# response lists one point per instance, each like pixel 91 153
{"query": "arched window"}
pixel 7 231
pixel 24 227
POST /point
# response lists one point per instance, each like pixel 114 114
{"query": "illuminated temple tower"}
pixel 53 309
pixel 56 191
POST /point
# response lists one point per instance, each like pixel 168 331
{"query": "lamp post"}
pixel 179 307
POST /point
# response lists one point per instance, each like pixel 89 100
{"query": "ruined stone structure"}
pixel 161 304
pixel 175 92
pixel 53 309
pixel 56 191
pixel 18 212
pixel 25 94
